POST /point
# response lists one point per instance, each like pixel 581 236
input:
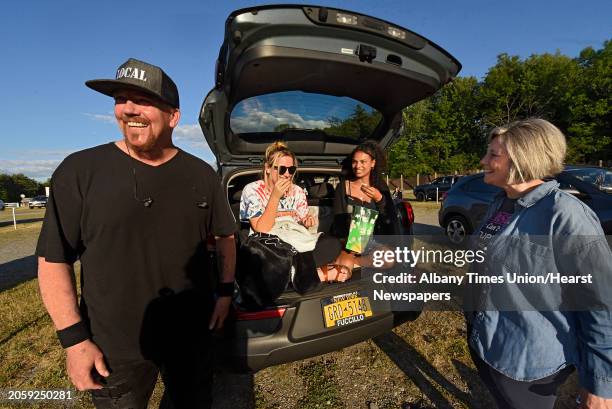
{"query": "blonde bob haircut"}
pixel 274 152
pixel 535 146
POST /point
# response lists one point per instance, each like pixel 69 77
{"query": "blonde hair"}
pixel 535 146
pixel 274 152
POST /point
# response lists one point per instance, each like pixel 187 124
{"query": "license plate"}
pixel 345 309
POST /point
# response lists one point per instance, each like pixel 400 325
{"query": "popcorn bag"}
pixel 362 226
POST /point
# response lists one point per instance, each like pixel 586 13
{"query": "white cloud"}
pixel 101 117
pixel 258 120
pixel 189 133
pixel 40 169
pixel 35 163
pixel 189 137
pixel 41 163
pixel 26 154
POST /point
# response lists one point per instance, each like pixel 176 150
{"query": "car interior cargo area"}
pixel 320 187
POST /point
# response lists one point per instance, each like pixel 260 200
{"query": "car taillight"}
pixel 259 315
pixel 409 211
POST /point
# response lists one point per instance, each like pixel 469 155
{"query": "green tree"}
pixel 13 186
pixel 454 127
pixel 439 132
pixel 406 156
pixel 541 86
pixel 590 117
pixel 359 125
pixel 447 132
pixel 499 94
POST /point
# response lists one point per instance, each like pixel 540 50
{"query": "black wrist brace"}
pixel 225 289
pixel 73 334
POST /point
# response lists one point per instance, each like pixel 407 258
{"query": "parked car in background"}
pixel 303 74
pixel 428 191
pixel 592 185
pixel 38 201
pixel 466 203
pixel 1 205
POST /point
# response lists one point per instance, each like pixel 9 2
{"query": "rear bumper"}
pixel 254 354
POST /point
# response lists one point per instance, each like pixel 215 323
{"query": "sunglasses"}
pixel 282 169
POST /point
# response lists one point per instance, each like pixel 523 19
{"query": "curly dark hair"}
pixel 375 151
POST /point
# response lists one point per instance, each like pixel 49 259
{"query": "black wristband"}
pixel 73 334
pixel 225 289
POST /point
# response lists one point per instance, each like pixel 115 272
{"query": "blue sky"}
pixel 49 49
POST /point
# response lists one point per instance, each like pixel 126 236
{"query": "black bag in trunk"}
pixel 265 270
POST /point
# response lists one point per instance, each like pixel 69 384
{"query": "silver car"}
pixel 323 80
pixel 38 201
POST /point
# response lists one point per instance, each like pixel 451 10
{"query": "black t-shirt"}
pixel 129 252
pixel 386 223
pixel 497 222
pixel 474 300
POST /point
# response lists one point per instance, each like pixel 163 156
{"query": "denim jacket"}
pixel 526 345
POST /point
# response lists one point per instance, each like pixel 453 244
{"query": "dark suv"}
pixel 466 203
pixel 323 80
pixel 430 191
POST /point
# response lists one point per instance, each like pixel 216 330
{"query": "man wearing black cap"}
pixel 137 214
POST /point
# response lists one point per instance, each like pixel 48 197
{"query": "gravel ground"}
pixel 395 370
pixel 420 364
pixel 426 219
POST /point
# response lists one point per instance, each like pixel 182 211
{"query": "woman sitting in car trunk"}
pixel 364 187
pixel 276 205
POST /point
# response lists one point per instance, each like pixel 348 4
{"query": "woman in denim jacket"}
pixel 526 340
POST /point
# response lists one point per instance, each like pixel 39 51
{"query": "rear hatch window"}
pixel 281 112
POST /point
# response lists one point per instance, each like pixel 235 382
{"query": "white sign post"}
pixel 14 220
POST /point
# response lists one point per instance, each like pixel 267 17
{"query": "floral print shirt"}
pixel 255 197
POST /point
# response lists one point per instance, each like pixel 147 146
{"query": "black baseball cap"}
pixel 142 76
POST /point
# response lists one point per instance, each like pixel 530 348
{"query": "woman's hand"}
pixel 590 401
pixel 281 187
pixel 372 193
pixel 308 221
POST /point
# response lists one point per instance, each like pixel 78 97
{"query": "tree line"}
pixel 447 132
pixel 13 186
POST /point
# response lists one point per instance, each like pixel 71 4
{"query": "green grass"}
pixel 21 213
pixel 8 234
pixel 30 354
pixel 260 400
pixel 321 389
pixel 428 204
pixel 26 220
